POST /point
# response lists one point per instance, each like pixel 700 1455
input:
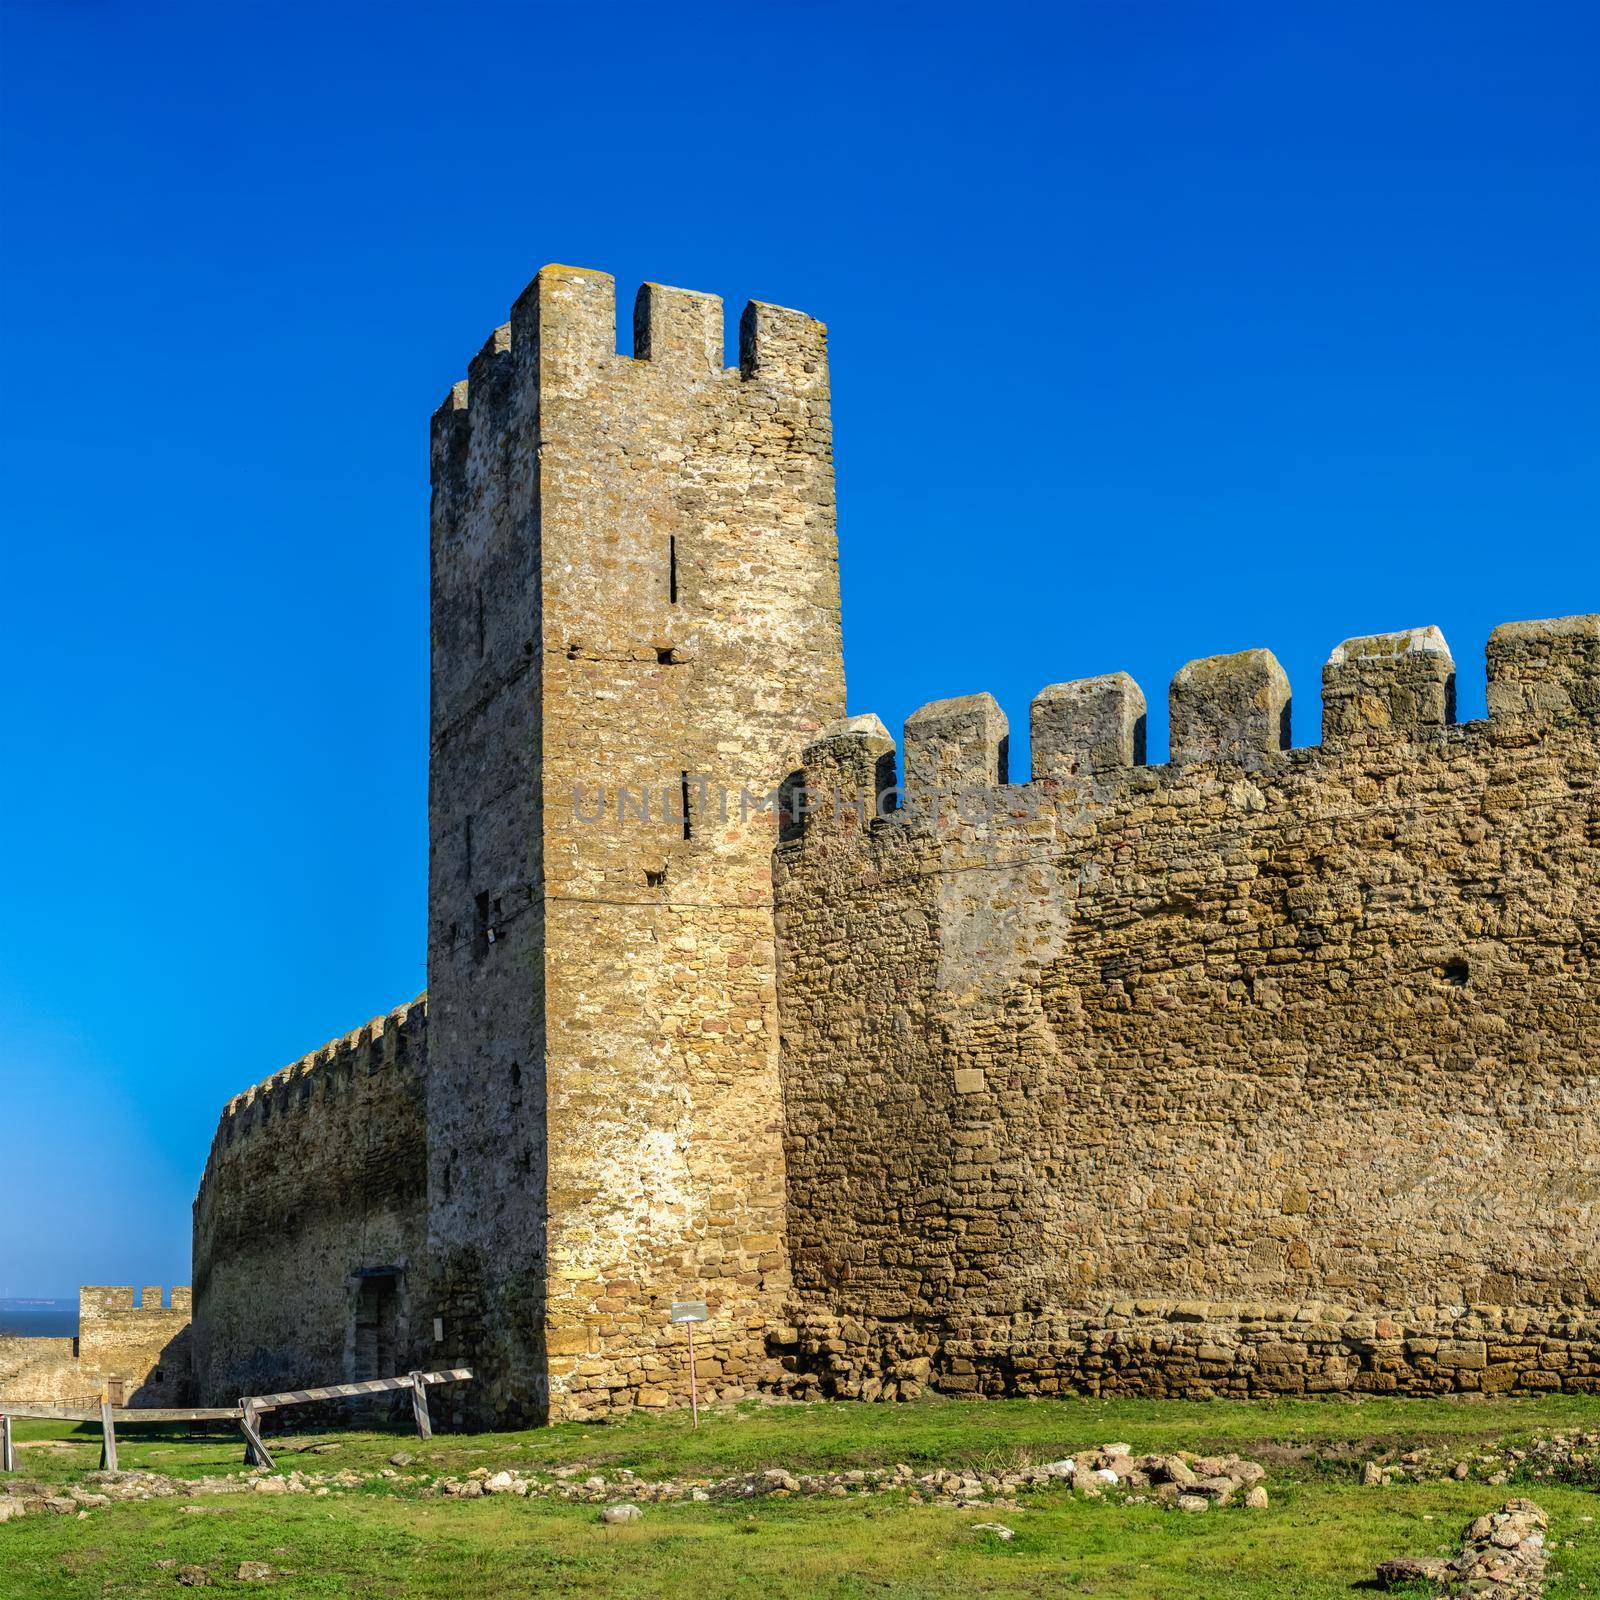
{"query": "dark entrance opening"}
pixel 377 1313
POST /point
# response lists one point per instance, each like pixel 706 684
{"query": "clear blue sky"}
pixel 1158 330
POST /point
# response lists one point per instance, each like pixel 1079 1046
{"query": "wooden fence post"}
pixel 419 1406
pixel 8 1452
pixel 256 1453
pixel 108 1435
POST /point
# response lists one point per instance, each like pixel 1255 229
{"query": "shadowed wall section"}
pixel 309 1227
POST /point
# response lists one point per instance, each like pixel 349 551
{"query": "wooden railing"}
pixel 246 1414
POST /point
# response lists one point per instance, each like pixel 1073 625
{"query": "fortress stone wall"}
pixel 310 1223
pixel 41 1370
pixel 1266 1070
pixel 1263 1070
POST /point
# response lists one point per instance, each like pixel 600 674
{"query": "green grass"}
pixel 1322 1535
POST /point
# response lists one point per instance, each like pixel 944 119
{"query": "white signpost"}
pixel 689 1312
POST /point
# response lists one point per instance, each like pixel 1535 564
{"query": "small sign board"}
pixel 690 1311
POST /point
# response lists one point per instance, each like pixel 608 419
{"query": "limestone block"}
pixel 570 315
pixel 1087 727
pixel 849 771
pixel 1387 685
pixel 955 744
pixel 1544 673
pixel 678 329
pixel 1230 709
pixel 784 346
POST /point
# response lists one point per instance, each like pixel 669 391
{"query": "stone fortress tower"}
pixel 635 589
pixel 1263 1070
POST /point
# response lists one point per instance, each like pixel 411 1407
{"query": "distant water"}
pixel 39 1319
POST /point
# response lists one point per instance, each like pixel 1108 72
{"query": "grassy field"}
pixel 1321 1536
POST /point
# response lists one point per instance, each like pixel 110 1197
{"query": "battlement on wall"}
pixel 1121 1045
pixel 569 314
pixel 1228 712
pixel 97 1302
pixel 396 1040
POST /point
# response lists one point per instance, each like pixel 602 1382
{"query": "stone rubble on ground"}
pixel 1168 1479
pixel 1571 1456
pixel 1180 1479
pixel 1502 1557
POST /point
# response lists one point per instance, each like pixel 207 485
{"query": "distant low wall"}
pixel 40 1371
pixel 309 1226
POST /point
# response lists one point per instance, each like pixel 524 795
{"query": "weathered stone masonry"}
pixel 310 1224
pixel 1265 1070
pixel 635 585
pixel 1268 1070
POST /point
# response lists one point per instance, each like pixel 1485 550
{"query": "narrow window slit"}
pixel 683 796
pixel 672 568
